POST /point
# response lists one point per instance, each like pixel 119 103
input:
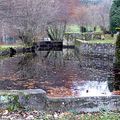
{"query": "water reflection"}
pixel 60 73
pixel 94 88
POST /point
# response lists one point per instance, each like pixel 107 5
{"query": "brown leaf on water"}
pixel 30 87
pixel 30 84
pixel 59 92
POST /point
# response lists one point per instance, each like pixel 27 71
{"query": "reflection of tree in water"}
pixel 69 54
pixel 58 59
pixel 55 58
pixel 26 68
pixel 31 66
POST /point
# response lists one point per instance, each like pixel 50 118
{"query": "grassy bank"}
pixel 41 115
pixel 75 28
pixel 6 47
pixel 91 116
pixel 106 41
pixel 97 41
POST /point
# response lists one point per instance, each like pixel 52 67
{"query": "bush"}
pixel 115 16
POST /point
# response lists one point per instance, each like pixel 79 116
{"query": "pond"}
pixel 60 73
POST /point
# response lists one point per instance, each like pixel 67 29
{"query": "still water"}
pixel 60 73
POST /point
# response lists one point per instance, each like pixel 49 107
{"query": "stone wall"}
pixel 29 99
pixel 84 104
pixel 97 49
pixel 36 99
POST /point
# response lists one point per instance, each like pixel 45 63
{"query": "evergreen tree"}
pixel 115 15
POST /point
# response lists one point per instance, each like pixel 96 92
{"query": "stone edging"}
pixel 30 99
pixel 86 104
pixel 39 101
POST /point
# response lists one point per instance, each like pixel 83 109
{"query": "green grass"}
pixel 6 47
pixel 98 29
pixel 108 40
pixel 102 116
pixel 82 116
pixel 2 48
pixel 106 116
pixel 74 28
pixel 101 41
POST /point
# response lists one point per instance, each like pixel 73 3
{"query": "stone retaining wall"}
pixel 30 99
pixel 97 49
pixel 84 104
pixel 36 99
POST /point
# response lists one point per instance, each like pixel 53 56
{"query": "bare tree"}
pixel 28 17
pixel 103 13
pixel 56 28
pixel 94 14
pixel 99 14
pixel 82 16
